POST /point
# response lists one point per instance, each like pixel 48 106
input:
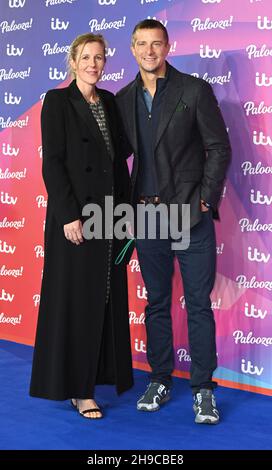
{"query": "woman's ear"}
pixel 73 65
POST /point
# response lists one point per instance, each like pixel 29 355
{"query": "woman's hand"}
pixel 74 232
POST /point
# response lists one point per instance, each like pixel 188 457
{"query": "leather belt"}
pixel 150 200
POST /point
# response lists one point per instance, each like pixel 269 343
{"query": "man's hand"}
pixel 203 207
pixel 74 232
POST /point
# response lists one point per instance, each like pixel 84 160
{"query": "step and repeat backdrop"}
pixel 225 42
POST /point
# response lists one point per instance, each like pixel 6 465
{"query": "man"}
pixel 181 153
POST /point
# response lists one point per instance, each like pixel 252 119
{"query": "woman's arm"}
pixel 54 172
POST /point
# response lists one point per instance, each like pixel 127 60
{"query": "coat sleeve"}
pixel 216 143
pixel 54 171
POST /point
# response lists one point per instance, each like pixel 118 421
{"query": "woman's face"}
pixel 89 63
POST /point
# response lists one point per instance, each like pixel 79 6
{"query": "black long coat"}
pixel 79 343
pixel 192 149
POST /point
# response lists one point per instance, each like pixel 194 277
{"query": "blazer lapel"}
pixel 131 116
pixel 172 100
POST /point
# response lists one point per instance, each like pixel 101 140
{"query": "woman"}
pixel 83 331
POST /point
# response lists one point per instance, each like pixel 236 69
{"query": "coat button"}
pixel 88 198
pixel 88 169
pixel 85 139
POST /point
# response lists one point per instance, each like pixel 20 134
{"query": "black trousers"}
pixel 197 267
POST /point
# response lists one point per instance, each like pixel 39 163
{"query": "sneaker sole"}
pixel 205 419
pixel 144 407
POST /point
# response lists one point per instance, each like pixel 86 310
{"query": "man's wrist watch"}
pixel 206 204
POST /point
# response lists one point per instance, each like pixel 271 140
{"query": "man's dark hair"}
pixel 150 24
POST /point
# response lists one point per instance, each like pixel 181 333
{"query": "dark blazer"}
pixel 192 148
pixel 78 344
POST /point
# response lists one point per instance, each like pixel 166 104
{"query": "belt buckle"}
pixel 150 200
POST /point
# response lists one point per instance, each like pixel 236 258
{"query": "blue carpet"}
pixel 31 423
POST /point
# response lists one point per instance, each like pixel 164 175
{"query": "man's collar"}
pixel 161 81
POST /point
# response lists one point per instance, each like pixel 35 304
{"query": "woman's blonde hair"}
pixel 82 40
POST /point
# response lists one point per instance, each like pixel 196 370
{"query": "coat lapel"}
pixel 172 100
pixel 110 120
pixel 85 113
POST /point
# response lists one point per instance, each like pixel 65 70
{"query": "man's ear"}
pixel 132 50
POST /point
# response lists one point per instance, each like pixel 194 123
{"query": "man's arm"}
pixel 127 150
pixel 216 143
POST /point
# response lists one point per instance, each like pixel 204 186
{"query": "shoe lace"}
pixel 206 400
pixel 155 388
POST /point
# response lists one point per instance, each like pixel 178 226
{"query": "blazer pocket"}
pixel 182 107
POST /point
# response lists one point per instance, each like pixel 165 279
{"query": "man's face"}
pixel 150 50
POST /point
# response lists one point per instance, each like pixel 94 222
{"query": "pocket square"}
pixel 182 106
